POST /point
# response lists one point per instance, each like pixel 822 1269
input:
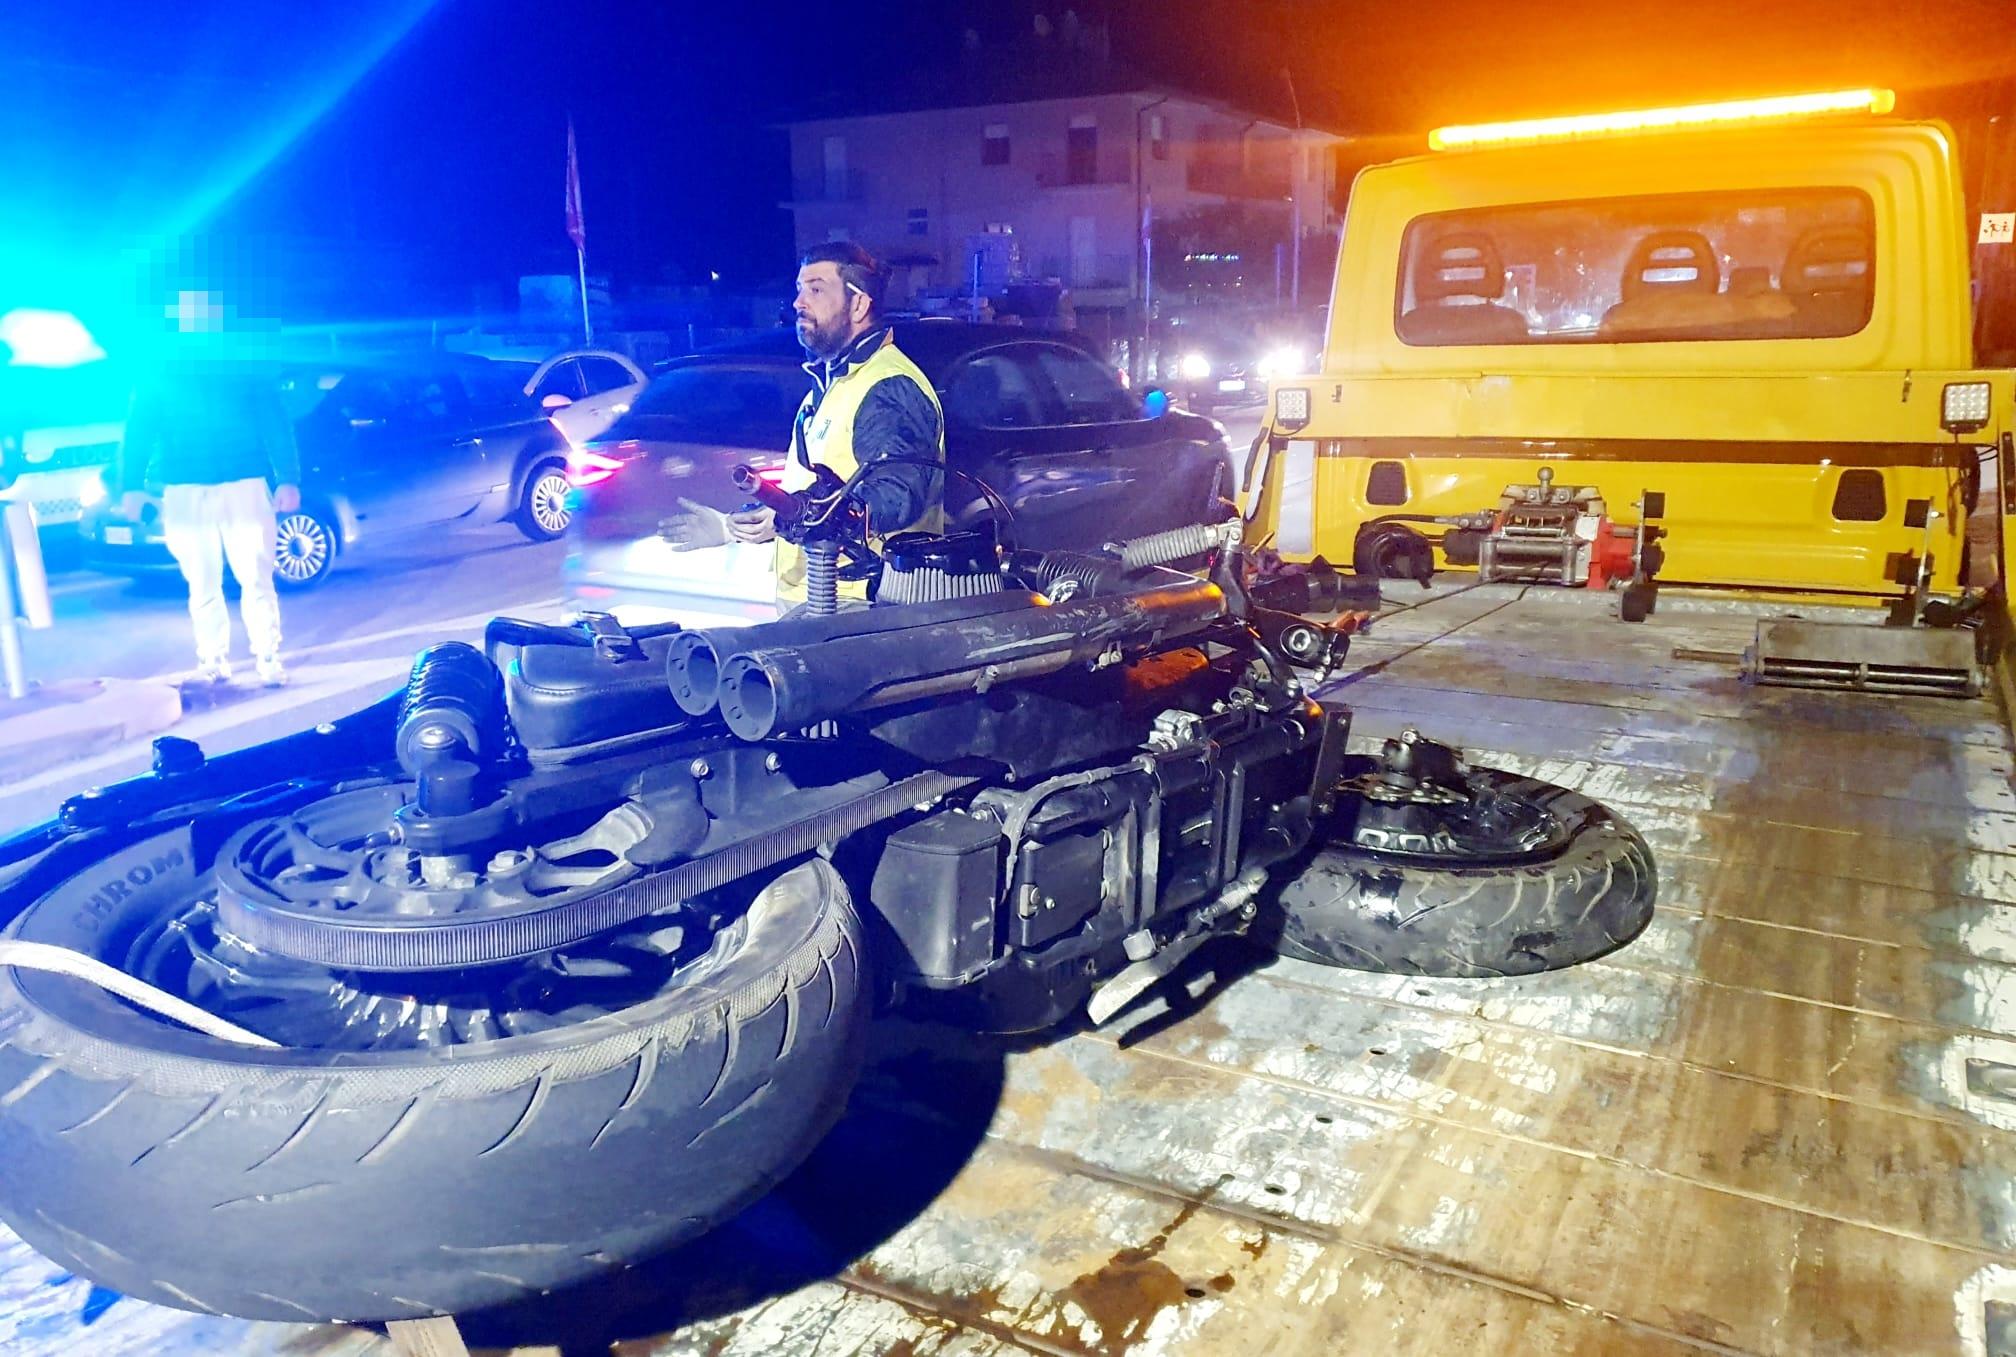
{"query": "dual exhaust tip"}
pixel 701 681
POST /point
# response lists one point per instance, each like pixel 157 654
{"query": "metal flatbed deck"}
pixel 1781 1121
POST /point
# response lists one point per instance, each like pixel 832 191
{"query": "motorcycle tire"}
pixel 292 1184
pixel 1377 912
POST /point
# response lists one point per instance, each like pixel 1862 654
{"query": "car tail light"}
pixel 586 467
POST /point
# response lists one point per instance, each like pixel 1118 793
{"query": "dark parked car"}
pixel 1034 416
pixel 388 448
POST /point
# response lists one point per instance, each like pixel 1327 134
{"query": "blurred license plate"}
pixel 1232 384
pixel 118 537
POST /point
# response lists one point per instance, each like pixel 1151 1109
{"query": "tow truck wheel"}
pixel 1498 875
pixel 435 1153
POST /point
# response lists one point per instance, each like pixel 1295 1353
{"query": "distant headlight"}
pixel 1195 367
pixel 93 493
pixel 1283 362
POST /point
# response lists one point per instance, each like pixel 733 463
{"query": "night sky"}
pixel 433 133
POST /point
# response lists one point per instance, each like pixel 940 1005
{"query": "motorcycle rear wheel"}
pixel 301 1184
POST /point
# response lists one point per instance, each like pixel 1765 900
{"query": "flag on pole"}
pixel 577 230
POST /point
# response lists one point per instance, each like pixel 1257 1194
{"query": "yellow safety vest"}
pixel 829 440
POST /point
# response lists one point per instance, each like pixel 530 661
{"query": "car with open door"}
pixel 584 391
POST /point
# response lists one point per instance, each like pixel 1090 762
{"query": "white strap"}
pixel 42 956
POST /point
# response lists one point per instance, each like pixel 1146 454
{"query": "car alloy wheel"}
pixel 305 551
pixel 548 505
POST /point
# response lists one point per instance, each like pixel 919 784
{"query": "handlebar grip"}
pixel 771 496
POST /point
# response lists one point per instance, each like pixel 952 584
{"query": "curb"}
pixel 76 718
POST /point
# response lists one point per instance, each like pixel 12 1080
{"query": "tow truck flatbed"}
pixel 1781 1121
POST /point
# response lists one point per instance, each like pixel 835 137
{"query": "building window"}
pixel 994 144
pixel 920 221
pixel 1081 151
pixel 835 164
pixel 1158 137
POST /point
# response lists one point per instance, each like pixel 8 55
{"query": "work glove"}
pixel 753 523
pixel 695 526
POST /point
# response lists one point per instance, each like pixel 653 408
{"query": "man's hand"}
pixel 753 525
pixel 132 504
pixel 286 499
pixel 694 526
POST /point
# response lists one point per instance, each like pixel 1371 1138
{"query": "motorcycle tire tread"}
pixel 627 1108
pixel 1357 910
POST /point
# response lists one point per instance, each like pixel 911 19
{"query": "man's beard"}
pixel 823 341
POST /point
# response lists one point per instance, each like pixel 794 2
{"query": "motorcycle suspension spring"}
pixel 822 578
pixel 1160 548
pixel 453 689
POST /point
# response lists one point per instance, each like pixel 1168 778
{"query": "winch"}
pixel 1541 533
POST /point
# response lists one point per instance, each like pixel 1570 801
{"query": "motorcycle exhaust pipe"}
pixel 779 688
pixel 694 659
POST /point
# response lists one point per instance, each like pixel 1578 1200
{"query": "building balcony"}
pixel 1232 182
pixel 1060 170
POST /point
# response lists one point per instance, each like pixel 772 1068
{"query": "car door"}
pixel 611 384
pixel 1054 432
pixel 415 459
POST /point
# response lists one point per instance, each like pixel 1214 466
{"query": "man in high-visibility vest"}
pixel 868 404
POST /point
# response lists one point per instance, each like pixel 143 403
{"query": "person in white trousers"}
pixel 209 437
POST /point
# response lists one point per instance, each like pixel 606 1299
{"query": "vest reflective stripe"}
pixel 829 441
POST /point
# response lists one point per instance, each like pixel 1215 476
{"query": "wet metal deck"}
pixel 1782 1121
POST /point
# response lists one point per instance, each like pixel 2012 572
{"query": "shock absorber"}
pixel 451 722
pixel 822 578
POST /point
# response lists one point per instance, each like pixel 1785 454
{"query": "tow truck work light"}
pixel 1778 108
pixel 1963 406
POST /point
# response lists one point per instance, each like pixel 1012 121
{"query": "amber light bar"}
pixel 1783 107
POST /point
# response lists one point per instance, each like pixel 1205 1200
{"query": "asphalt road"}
pixel 347 642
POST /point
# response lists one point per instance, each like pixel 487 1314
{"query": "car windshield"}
pixel 1779 264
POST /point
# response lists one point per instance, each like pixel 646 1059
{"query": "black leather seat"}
pixel 561 692
pixel 1457 283
pixel 1829 273
pixel 1672 286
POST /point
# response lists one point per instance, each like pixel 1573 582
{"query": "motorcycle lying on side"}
pixel 566 952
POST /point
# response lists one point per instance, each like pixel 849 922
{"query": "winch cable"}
pixel 1380 666
pixel 43 956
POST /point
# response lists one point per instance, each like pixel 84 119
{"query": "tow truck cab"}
pixel 1764 323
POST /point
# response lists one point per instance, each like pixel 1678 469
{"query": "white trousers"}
pixel 207 525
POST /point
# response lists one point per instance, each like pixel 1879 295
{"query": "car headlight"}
pixel 1195 367
pixel 1283 362
pixel 1963 407
pixel 1291 407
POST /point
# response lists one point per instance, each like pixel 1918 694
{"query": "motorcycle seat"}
pixel 562 692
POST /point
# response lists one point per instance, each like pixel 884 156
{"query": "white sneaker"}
pixel 270 672
pixel 214 671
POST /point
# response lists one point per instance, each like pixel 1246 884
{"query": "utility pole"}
pixel 1144 214
pixel 1295 200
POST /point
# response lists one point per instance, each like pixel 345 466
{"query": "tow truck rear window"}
pixel 1790 264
